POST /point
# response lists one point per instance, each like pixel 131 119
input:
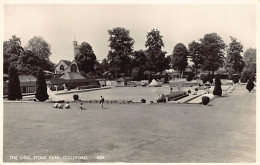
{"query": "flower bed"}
pixel 172 96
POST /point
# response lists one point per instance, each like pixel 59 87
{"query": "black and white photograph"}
pixel 129 82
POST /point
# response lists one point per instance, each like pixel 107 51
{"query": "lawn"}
pixel 222 132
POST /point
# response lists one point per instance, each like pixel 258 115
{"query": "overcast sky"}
pixel 58 24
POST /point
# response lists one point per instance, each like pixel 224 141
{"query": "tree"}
pixel 195 53
pixel 105 64
pixel 179 57
pixel 217 90
pixel 250 59
pixel 156 60
pixel 86 58
pixel 121 47
pixel 139 59
pixel 213 52
pixel 41 87
pixel 39 46
pixel 12 50
pixel 29 63
pixel 14 90
pixel 234 61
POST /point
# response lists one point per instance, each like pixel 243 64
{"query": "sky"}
pixel 59 24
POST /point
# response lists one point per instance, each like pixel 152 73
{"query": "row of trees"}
pixel 209 54
pixel 27 59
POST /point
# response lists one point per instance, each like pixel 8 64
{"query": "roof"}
pixel 81 80
pixel 120 79
pixel 72 76
pixel 56 81
pixel 188 70
pixel 27 78
pixel 67 62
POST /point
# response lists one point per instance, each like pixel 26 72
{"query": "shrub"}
pixel 217 90
pixel 205 100
pixel 205 79
pixel 76 97
pixel 150 78
pixel 246 73
pixel 14 90
pixel 41 87
pixel 166 78
pixel 210 79
pixel 235 80
pixel 189 91
pixel 189 78
pixel 143 100
pixel 252 77
pixel 196 89
pixel 250 85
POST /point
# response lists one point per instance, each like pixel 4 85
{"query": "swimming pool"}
pixel 121 93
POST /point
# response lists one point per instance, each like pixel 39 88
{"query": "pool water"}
pixel 122 93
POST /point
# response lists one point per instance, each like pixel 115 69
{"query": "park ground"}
pixel 224 131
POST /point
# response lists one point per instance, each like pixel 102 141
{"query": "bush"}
pixel 250 85
pixel 14 90
pixel 205 100
pixel 76 97
pixel 143 100
pixel 210 79
pixel 205 79
pixel 166 78
pixel 41 87
pixel 245 76
pixel 217 90
pixel 189 78
pixel 235 80
pixel 252 77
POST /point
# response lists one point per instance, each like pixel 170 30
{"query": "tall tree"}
pixel 12 50
pixel 42 49
pixel 86 58
pixel 29 63
pixel 250 59
pixel 105 64
pixel 156 60
pixel 179 57
pixel 14 90
pixel 39 46
pixel 234 61
pixel 121 47
pixel 139 59
pixel 41 87
pixel 213 48
pixel 196 55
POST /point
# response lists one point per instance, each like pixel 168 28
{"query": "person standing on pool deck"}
pixel 102 100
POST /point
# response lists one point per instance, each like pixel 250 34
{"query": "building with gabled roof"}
pixel 65 66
